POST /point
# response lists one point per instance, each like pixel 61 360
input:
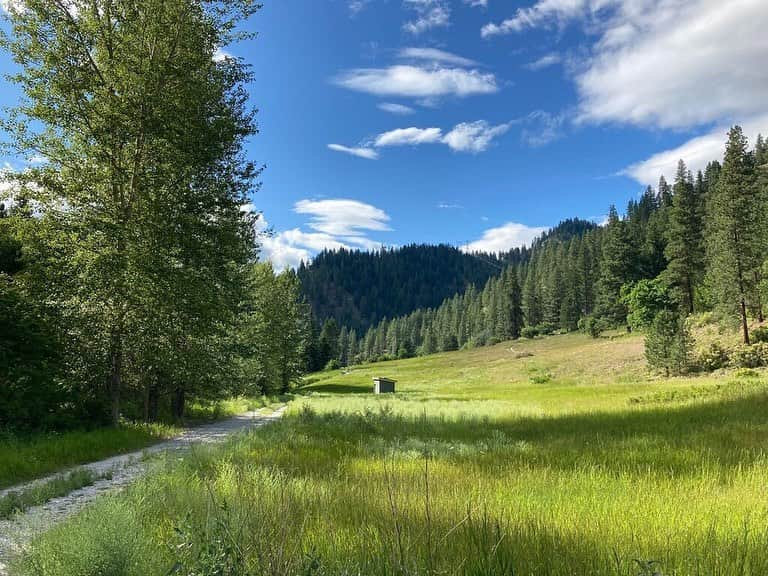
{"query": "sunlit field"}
pixel 558 456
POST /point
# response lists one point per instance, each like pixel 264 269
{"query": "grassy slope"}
pixel 570 461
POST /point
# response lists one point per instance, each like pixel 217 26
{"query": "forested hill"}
pixel 358 289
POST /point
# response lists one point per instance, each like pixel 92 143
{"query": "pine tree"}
pixel 685 248
pixel 735 231
pixel 616 268
pixel 668 343
pixel 515 305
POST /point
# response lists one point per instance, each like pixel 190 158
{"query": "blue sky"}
pixel 479 122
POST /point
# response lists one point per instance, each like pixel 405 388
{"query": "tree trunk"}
pixel 115 374
pixel 744 325
pixel 178 403
pixel 759 300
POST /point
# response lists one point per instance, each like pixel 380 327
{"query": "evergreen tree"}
pixel 685 248
pixel 735 231
pixel 616 268
pixel 668 343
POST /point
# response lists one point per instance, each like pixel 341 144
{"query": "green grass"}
pixel 28 457
pixel 22 500
pixel 570 461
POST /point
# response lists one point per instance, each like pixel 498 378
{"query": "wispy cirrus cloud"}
pixel 429 14
pixel 545 61
pixel 409 137
pixel 435 55
pixel 360 152
pixel 333 223
pixel 399 109
pixel 469 137
pixel 410 81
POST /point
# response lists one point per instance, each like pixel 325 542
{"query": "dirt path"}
pixel 124 468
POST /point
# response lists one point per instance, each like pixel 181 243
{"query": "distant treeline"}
pixel 701 243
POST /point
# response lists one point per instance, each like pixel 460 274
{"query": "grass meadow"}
pixel 558 456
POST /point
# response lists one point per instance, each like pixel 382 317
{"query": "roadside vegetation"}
pixel 25 457
pixel 551 456
pixel 19 501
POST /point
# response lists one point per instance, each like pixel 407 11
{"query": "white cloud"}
pixel 477 3
pixel 662 63
pixel 343 217
pixel 336 223
pixel 409 137
pixel 473 136
pixel 429 14
pixel 362 152
pixel 418 82
pixel 696 153
pixel 450 206
pixel 399 109
pixel 542 128
pixel 435 55
pixel 544 62
pixel 357 6
pixel 542 12
pixel 504 238
pixel 220 55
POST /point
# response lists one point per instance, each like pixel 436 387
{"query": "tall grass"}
pixel 440 480
pixel 28 457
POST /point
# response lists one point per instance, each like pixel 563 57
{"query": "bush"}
pixel 333 364
pixel 760 334
pixel 593 326
pixel 529 332
pixel 668 343
pixel 753 356
pixel 546 329
pixel 714 357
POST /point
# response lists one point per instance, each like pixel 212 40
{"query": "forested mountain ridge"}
pixel 698 245
pixel 359 289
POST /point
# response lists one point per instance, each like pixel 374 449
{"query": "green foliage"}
pixel 644 300
pixel 24 458
pixel 736 233
pixel 685 248
pixel 15 502
pixel 530 332
pixel 140 243
pixel 668 343
pixel 273 332
pixel 760 334
pixel 593 326
pixel 754 356
pixel 29 362
pixel 714 357
pixel 332 364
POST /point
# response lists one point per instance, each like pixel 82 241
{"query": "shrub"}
pixel 593 326
pixel 529 332
pixel 714 357
pixel 753 356
pixel 333 364
pixel 546 329
pixel 760 334
pixel 668 343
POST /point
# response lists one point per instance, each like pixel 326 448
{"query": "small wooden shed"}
pixel 383 385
